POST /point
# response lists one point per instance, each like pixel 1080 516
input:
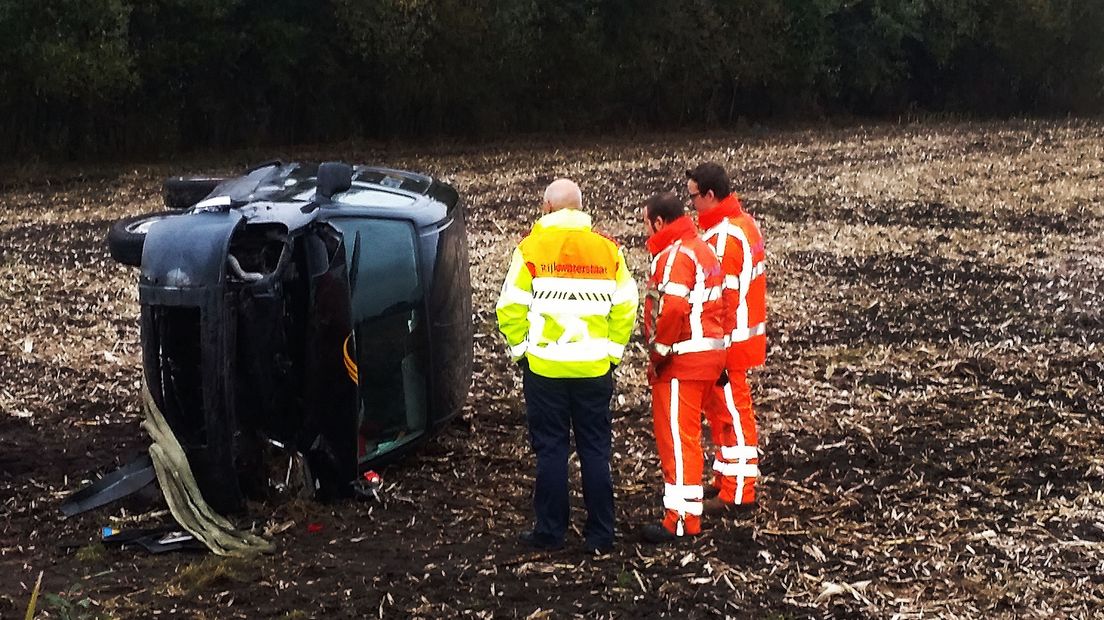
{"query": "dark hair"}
pixel 665 206
pixel 710 177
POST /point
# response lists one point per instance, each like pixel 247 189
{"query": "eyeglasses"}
pixel 694 195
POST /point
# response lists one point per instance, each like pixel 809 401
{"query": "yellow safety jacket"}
pixel 569 302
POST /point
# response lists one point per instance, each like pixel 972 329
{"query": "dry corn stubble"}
pixel 930 412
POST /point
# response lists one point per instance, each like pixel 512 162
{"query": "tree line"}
pixel 81 78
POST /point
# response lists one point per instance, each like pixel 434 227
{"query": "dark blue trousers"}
pixel 554 407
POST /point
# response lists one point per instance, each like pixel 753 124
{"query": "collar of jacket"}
pixel 729 207
pixel 679 229
pixel 564 218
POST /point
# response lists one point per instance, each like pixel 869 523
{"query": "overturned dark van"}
pixel 321 310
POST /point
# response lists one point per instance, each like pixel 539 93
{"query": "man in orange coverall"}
pixel 735 239
pixel 684 328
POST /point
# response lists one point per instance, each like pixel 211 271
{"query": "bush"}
pixel 83 78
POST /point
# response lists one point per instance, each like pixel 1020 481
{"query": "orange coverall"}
pixel 735 239
pixel 684 327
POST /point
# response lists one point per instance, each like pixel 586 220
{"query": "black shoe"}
pixel 599 549
pixel 530 539
pixel 656 534
pixel 714 507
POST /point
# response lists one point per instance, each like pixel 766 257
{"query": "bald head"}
pixel 562 194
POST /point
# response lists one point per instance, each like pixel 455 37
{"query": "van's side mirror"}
pixel 334 177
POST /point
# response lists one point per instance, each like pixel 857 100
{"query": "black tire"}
pixel 184 192
pixel 126 237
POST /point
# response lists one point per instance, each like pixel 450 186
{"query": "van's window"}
pixel 389 332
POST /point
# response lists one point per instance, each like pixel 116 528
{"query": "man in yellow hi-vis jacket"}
pixel 567 310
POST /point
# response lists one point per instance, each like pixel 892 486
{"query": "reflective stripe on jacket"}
pixel 735 238
pixel 684 306
pixel 568 303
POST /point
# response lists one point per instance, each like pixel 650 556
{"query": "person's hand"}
pixel 656 366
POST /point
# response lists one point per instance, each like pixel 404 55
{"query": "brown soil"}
pixel 931 411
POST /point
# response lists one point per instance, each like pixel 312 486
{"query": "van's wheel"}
pixel 183 192
pixel 126 237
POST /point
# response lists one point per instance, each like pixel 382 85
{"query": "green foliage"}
pixel 63 65
pixel 870 43
pixel 85 77
pixel 71 604
pixel 66 49
pixel 94 553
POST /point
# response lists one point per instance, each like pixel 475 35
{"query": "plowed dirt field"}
pixel 931 412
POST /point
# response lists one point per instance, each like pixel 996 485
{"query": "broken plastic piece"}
pixel 113 486
pixel 369 484
pixel 155 540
